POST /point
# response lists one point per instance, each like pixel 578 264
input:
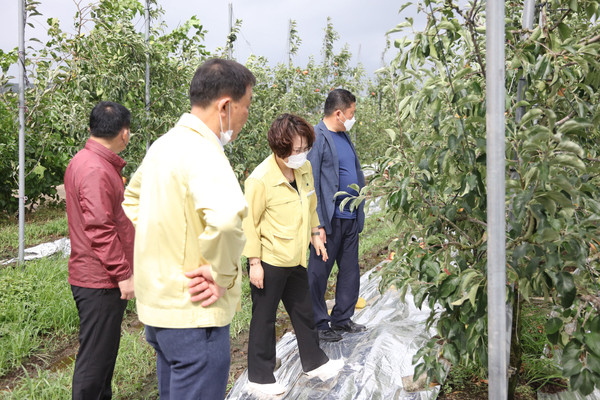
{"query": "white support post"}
pixel 147 76
pixel 21 66
pixel 496 194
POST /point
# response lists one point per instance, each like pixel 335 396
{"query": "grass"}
pixel 538 370
pixel 47 223
pixel 135 361
pixel 241 319
pixel 34 302
pixel 376 235
pixel 37 310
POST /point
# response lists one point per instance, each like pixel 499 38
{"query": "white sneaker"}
pixel 273 389
pixel 328 370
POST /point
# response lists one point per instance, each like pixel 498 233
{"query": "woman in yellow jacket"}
pixel 282 220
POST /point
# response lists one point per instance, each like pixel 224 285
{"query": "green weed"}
pixel 47 224
pixel 135 361
pixel 34 302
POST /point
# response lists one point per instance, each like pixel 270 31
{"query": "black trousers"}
pixel 100 316
pixel 342 247
pixel 290 285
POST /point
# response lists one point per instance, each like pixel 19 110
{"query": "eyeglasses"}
pixel 300 150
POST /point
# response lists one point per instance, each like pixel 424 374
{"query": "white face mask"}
pixel 296 161
pixel 348 123
pixel 225 137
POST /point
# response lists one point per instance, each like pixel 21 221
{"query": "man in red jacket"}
pixel 101 262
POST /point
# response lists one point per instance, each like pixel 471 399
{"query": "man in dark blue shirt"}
pixel 335 166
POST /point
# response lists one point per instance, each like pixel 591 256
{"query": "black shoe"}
pixel 329 335
pixel 350 327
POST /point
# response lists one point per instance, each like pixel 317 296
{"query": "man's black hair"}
pixel 338 99
pixel 216 78
pixel 108 118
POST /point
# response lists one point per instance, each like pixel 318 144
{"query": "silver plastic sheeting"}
pixel 377 361
pixel 44 250
pixel 595 395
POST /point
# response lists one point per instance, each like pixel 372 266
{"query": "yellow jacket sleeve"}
pixel 256 199
pixel 314 216
pixel 131 204
pixel 222 212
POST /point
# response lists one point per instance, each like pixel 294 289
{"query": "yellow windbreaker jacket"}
pixel 280 219
pixel 187 207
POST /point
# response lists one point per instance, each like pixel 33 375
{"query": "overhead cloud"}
pixel 360 24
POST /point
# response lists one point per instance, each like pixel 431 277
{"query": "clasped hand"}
pixel 202 286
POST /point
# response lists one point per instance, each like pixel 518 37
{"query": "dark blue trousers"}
pixel 342 247
pixel 191 364
pixel 100 315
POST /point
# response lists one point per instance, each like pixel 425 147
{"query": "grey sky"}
pixel 360 23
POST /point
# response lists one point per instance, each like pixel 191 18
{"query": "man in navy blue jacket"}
pixel 335 166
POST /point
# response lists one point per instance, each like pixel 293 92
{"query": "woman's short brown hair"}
pixel 283 130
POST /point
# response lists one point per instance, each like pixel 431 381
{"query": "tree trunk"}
pixel 516 351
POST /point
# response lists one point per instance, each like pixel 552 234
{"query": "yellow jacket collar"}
pixel 194 123
pixel 277 177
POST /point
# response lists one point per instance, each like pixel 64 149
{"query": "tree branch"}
pixel 593 300
pixel 565 119
pixel 560 20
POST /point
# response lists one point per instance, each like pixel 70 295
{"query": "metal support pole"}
pixel 147 77
pixel 230 50
pixel 496 193
pixel 289 42
pixel 22 17
pixel 528 14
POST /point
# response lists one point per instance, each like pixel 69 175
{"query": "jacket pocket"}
pixel 284 246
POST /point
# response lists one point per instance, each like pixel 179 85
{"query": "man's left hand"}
pixel 203 287
pixel 126 288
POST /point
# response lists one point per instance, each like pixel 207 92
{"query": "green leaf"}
pixel 391 133
pixel 592 340
pixel 452 142
pixel 530 115
pixel 563 183
pixel 548 204
pixel 400 27
pixel 469 99
pixel 568 160
pixel 449 286
pixel 404 6
pixel 531 176
pixel 449 26
pixel 553 325
pixel 450 353
pixel 570 147
pixel 583 382
pixel 571 366
pixel 593 363
pixel 420 369
pixel 564 31
pixel 522 103
pixel 467 277
pixel 565 285
pixel 460 301
pixel 473 294
pixel 576 124
pixel 573 5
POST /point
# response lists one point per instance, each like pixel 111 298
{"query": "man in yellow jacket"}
pixel 187 207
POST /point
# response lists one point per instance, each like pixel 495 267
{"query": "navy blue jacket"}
pixel 326 172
